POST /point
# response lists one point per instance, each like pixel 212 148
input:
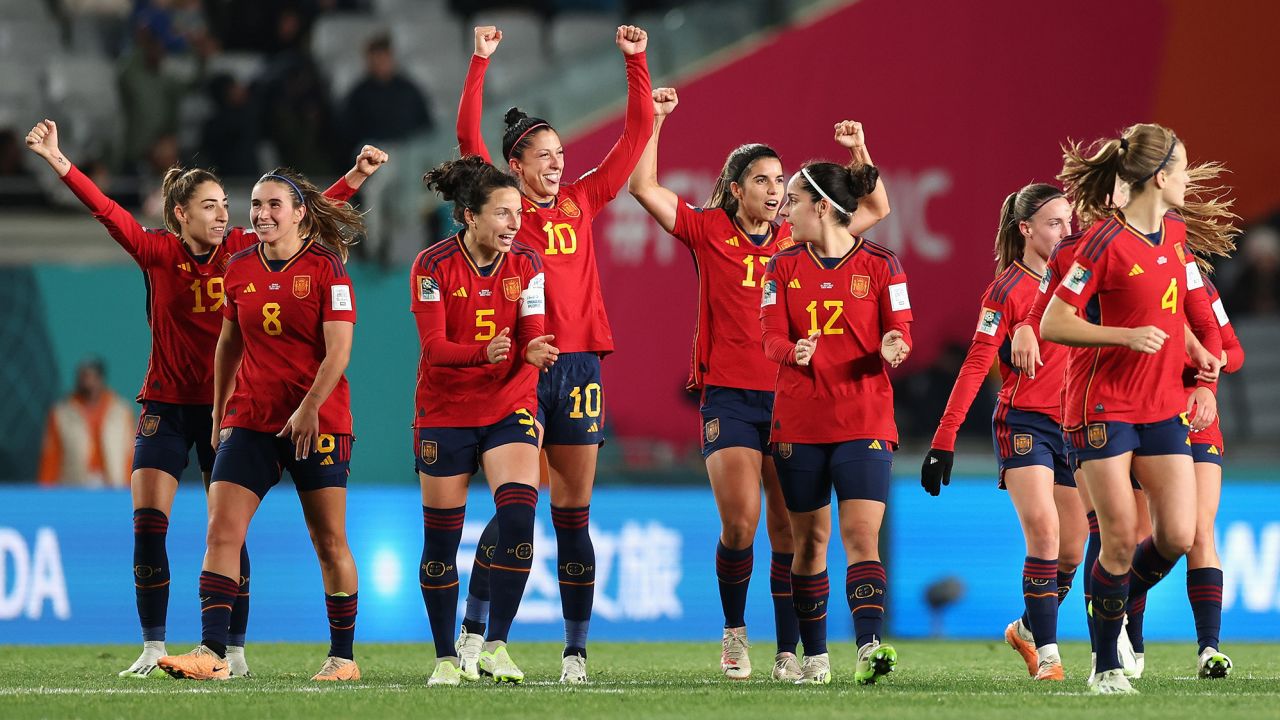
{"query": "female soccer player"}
pixel 281 402
pixel 1133 275
pixel 1030 451
pixel 476 403
pixel 557 224
pixel 183 265
pixel 737 229
pixel 845 298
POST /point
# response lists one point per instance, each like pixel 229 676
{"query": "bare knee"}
pixel 1041 532
pixel 331 548
pixel 737 532
pixel 224 535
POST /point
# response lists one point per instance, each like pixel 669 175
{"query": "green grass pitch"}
pixel 933 680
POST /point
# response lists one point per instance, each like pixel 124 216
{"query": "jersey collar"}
pixel 770 235
pixel 1141 235
pixel 262 256
pixel 813 255
pixel 471 263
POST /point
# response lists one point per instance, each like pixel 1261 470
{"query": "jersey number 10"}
pixel 562 239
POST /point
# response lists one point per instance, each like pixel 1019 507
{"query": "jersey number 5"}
pixel 485 328
pixel 836 309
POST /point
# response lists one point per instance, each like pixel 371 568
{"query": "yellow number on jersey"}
pixel 586 398
pixel 1170 300
pixel 562 239
pixel 325 444
pixel 271 319
pixel 212 289
pixel 827 328
pixel 750 261
pixel 485 329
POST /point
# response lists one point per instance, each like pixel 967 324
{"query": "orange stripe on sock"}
pixel 438 587
pixel 496 566
pixel 580 584
pixel 151 587
pixel 1040 595
pixel 214 607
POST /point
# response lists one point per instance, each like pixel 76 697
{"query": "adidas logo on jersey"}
pixel 733 241
pixel 875 445
pixel 794 284
pixel 185 267
pixel 594 428
pixel 1135 270
pixel 1213 450
pixel 530 432
pixel 328 460
pixel 460 292
pixel 250 289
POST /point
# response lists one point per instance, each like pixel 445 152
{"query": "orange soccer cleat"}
pixel 1026 648
pixel 199 664
pixel 336 669
pixel 1050 670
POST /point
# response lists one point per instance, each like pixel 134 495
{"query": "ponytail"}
pixel 336 225
pixel 1018 208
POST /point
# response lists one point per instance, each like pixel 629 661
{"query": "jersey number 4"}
pixel 1170 299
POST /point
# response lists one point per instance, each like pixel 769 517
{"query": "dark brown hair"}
pixel 467 183
pixel 336 224
pixel 735 170
pixel 520 132
pixel 845 185
pixel 1019 207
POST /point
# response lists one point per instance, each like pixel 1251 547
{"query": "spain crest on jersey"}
pixel 1097 435
pixel 1022 443
pixel 301 286
pixel 860 285
pixel 570 208
pixel 427 451
pixel 785 243
pixel 511 288
pixel 149 425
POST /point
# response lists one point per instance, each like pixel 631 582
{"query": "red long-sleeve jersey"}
pixel 1212 435
pixel 561 233
pixel 459 308
pixel 184 293
pixel 844 393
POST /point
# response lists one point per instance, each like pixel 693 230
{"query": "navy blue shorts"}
pixel 1100 440
pixel 255 460
pixel 447 451
pixel 857 469
pixel 732 417
pixel 1207 453
pixel 1023 439
pixel 166 433
pixel 571 401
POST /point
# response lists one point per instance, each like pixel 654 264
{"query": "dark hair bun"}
pixel 514 117
pixel 862 180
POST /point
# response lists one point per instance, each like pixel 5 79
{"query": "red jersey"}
pixel 844 393
pixel 1212 435
pixel 728 349
pixel 561 232
pixel 1135 281
pixel 281 314
pixel 459 308
pixel 184 294
pixel 1006 303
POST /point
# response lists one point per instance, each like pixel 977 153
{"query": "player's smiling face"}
pixel 760 193
pixel 204 216
pixel 1051 223
pixel 540 165
pixel 496 224
pixel 800 210
pixel 273 214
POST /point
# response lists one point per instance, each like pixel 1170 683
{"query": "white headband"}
pixel 825 196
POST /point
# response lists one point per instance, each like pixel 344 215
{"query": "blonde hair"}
pixel 336 224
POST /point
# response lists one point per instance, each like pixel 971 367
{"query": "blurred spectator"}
pixel 148 94
pixel 98 25
pixel 295 101
pixel 384 106
pixel 1256 288
pixel 17 185
pixel 88 440
pixel 178 25
pixel 229 138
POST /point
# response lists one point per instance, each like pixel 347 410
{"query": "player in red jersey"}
pixel 845 299
pixel 731 238
pixel 477 296
pixel 281 402
pixel 183 267
pixel 1030 452
pixel 1125 405
pixel 556 222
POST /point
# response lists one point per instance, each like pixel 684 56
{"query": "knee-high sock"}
pixel 865 584
pixel 151 571
pixel 1109 595
pixel 240 610
pixel 733 571
pixel 1065 580
pixel 576 568
pixel 785 621
pixel 1040 595
pixel 1149 567
pixel 509 571
pixel 477 613
pixel 438 573
pixel 341 608
pixel 1091 551
pixel 217 595
pixel 810 593
pixel 1204 590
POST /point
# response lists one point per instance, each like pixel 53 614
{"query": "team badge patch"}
pixel 301 286
pixel 784 450
pixel 150 423
pixel 711 430
pixel 511 288
pixel 1077 278
pixel 428 452
pixel 570 208
pixel 1097 435
pixel 989 323
pixel 428 289
pixel 860 285
pixel 785 243
pixel 1022 443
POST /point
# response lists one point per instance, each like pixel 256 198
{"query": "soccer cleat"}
pixel 235 658
pixel 573 670
pixel 446 674
pixel 499 666
pixel 1050 670
pixel 1128 658
pixel 145 665
pixel 1111 682
pixel 1019 638
pixel 1139 665
pixel 735 663
pixel 874 660
pixel 1213 664
pixel 469 646
pixel 199 664
pixel 336 669
pixel 786 667
pixel 815 670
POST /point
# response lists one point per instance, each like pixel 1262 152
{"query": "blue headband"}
pixel 282 178
pixel 1172 144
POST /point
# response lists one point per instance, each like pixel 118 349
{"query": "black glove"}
pixel 936 470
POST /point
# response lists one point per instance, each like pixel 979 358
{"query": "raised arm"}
pixel 471 105
pixel 874 207
pixel 367 163
pixel 603 184
pixel 657 200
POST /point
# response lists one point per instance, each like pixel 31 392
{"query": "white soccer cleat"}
pixel 1128 658
pixel 145 665
pixel 1093 666
pixel 469 646
pixel 235 658
pixel 815 670
pixel 499 666
pixel 573 670
pixel 1213 664
pixel 786 667
pixel 446 674
pixel 1111 682
pixel 1139 665
pixel 735 663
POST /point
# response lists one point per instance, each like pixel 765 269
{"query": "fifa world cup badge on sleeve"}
pixel 989 323
pixel 301 286
pixel 1022 443
pixel 859 286
pixel 770 296
pixel 1077 278
pixel 428 289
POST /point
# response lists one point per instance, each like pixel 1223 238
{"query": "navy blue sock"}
pixel 217 594
pixel 240 610
pixel 342 624
pixel 1091 551
pixel 865 584
pixel 509 571
pixel 1149 567
pixel 477 613
pixel 1204 590
pixel 576 569
pixel 151 571
pixel 1109 595
pixel 1040 596
pixel 784 612
pixel 1065 579
pixel 809 595
pixel 438 573
pixel 733 570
